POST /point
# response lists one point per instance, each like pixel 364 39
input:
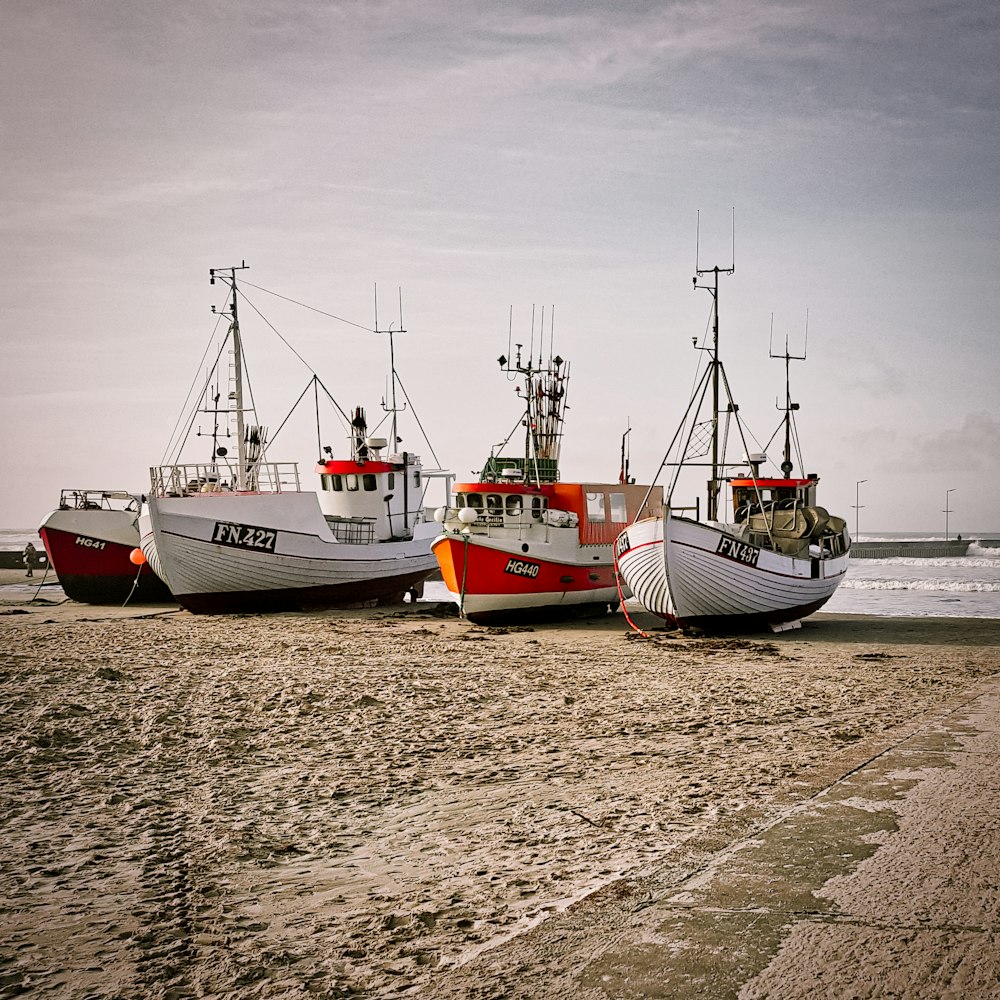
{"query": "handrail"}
pixel 209 478
pixel 94 499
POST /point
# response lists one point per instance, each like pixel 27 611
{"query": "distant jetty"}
pixel 914 550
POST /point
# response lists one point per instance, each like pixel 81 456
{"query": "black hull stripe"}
pixel 303 598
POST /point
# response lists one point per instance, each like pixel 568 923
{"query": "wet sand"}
pixel 397 803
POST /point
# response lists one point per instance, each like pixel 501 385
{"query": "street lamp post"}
pixel 857 505
pixel 947 510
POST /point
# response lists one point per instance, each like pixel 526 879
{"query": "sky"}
pixel 477 163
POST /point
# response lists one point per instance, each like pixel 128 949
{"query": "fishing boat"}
pixel 242 534
pixel 771 559
pixel 519 543
pixel 90 538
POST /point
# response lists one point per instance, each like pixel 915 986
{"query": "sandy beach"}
pixel 391 803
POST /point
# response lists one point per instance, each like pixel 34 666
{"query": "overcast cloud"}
pixel 482 156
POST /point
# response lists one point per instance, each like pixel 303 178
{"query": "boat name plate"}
pixel 90 543
pixel 521 567
pixel 244 536
pixel 740 552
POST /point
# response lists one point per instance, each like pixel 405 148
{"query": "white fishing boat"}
pixel 775 558
pixel 242 534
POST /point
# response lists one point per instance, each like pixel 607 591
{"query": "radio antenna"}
pixel 789 407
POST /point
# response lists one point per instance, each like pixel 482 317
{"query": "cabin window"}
pixel 369 482
pixel 595 507
pixel 619 512
pixel 351 482
pixel 332 482
pixel 391 481
pixel 514 505
pixel 474 500
pixel 494 503
pixel 537 506
pixel 416 477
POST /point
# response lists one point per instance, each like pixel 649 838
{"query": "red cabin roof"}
pixel 770 483
pixel 347 467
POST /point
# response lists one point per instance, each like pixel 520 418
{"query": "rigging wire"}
pixel 276 332
pixel 317 381
pixel 187 399
pixel 177 439
pixel 178 444
pixel 694 408
pixel 304 305
pixel 797 445
pixel 677 434
pixel 288 415
pixel 406 396
pixel 262 454
pixel 739 426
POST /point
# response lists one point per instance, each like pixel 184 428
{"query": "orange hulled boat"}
pixel 520 543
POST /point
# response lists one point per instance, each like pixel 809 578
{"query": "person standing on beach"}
pixel 30 558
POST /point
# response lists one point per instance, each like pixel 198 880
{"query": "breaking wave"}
pixel 952 562
pixel 926 583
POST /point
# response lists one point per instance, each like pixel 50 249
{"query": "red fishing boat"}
pixel 90 539
pixel 521 544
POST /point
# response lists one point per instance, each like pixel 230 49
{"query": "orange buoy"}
pixel 137 556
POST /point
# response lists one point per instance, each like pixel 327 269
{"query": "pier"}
pixel 913 550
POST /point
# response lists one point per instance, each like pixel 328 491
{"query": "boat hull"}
pixel 494 581
pixel 235 553
pixel 697 575
pixel 89 551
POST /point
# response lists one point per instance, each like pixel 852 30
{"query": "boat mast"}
pixel 786 465
pixel 544 409
pixel 234 330
pixel 392 408
pixel 715 483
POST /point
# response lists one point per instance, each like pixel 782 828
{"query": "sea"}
pixel 963 587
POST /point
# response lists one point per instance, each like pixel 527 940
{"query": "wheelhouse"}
pixel 497 507
pixel 376 498
pixel 367 477
pixel 597 511
pixel 755 496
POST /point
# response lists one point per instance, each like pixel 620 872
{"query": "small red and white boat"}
pixel 519 543
pixel 90 539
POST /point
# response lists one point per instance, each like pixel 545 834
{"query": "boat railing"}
pixel 832 544
pixel 191 479
pixel 500 524
pixel 352 530
pixel 96 500
pixel 498 469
